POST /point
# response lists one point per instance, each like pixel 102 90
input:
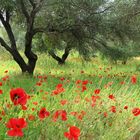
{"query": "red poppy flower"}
pixel 133 79
pixel 78 81
pixel 41 90
pixel 113 109
pixel 16 125
pixel 125 107
pixel 8 105
pixel 81 115
pixel 85 82
pixel 18 96
pixel 63 102
pixel 43 113
pixel 97 91
pixel 122 83
pixel 59 86
pixel 1 91
pixel 55 92
pixel 0 83
pixel 62 78
pixel 94 99
pixel 61 113
pixel 87 99
pixel 38 84
pixel 136 111
pixel 5 78
pixel 73 134
pixel 40 77
pixel 74 113
pixel 35 103
pixel 24 107
pixel 111 96
pixel 105 114
pixel 3 113
pixel 83 112
pixel 84 88
pixel 31 117
pixel 59 89
pixel 33 109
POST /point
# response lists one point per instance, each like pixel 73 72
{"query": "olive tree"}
pixel 28 9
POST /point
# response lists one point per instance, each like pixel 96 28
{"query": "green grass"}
pixel 94 126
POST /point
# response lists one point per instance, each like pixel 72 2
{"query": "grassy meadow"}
pixel 98 97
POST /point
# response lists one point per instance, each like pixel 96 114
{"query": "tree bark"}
pixel 66 54
pixel 19 60
pixel 124 62
pixel 61 60
pixel 32 58
pixel 57 58
pixel 16 56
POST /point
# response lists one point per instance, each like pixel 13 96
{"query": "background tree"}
pixel 91 25
pixel 76 22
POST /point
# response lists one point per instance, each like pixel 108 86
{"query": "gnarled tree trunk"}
pixel 19 60
pixel 61 60
pixel 31 31
pixel 13 48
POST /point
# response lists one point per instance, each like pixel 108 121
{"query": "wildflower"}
pixel 113 109
pixel 1 92
pixel 31 117
pixel 38 84
pixel 84 88
pixel 63 102
pixel 0 83
pixel 16 125
pixel 73 134
pixel 61 113
pixel 78 81
pixel 43 113
pixel 85 82
pixel 94 99
pixel 62 78
pixel 133 79
pixel 105 114
pixel 59 89
pixel 125 107
pixel 111 96
pixel 97 91
pixel 18 96
pixel 136 111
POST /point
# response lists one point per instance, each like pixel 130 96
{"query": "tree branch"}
pixel 2 18
pixel 4 44
pixel 7 16
pixel 36 8
pixel 32 3
pixel 9 31
pixel 24 10
pixel 91 10
pixel 37 30
pixel 57 58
